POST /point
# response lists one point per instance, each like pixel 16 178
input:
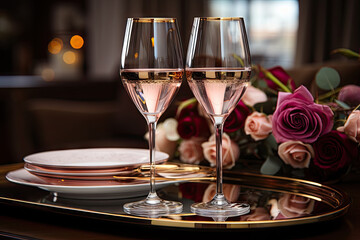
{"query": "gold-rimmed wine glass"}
pixel 218 69
pixel 152 68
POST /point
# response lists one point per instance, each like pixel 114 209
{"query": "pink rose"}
pixel 258 214
pixel 296 153
pixel 352 126
pixel 297 117
pixel 231 151
pixel 258 126
pixel 191 150
pixel 291 206
pixel 253 96
pixel 231 192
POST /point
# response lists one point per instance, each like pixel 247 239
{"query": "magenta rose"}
pixel 350 94
pixel 236 119
pixel 334 152
pixel 298 118
pixel 280 74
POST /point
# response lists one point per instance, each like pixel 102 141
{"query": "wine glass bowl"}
pixel 218 68
pixel 151 72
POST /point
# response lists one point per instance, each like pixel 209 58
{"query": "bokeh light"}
pixel 76 41
pixel 55 45
pixel 69 57
pixel 48 74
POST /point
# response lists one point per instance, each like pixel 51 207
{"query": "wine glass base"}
pixel 145 209
pixel 220 212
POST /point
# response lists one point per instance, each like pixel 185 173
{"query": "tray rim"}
pixel 343 207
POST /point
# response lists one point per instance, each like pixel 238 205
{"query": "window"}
pixel 271 27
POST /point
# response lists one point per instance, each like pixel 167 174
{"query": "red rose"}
pixel 191 124
pixel 334 152
pixel 193 191
pixel 236 119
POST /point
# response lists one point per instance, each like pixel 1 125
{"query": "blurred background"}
pixel 59 61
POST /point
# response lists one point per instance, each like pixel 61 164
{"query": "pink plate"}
pixel 78 172
pixel 94 158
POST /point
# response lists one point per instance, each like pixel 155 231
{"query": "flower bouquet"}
pixel 276 128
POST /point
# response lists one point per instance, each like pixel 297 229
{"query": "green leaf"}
pixel 346 52
pixel 327 78
pixel 271 165
pixel 261 84
pixel 357 107
pixel 239 59
pixel 342 104
pixel 270 141
pixel 184 104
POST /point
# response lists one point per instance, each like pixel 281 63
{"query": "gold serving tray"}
pixel 260 191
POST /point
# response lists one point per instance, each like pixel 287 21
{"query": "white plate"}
pixel 94 158
pixel 110 190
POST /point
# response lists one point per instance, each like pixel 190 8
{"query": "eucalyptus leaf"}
pixel 270 141
pixel 342 104
pixel 261 84
pixel 327 78
pixel 271 165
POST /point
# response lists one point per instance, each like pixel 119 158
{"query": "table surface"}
pixel 25 223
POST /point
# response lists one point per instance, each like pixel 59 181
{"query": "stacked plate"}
pixel 88 173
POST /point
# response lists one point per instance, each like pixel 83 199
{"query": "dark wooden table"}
pixel 18 222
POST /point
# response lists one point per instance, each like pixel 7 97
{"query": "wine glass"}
pixel 152 68
pixel 218 70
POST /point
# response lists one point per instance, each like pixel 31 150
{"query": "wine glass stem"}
pixel 219 175
pixel 152 197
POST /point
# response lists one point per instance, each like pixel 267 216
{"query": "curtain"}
pixel 325 25
pixel 107 21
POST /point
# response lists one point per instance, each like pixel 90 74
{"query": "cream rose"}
pixel 166 137
pixel 231 192
pixel 296 153
pixel 291 205
pixel 231 151
pixel 258 125
pixel 191 151
pixel 352 126
pixel 253 96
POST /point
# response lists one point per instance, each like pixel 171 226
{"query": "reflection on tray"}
pixel 274 201
pixel 265 205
